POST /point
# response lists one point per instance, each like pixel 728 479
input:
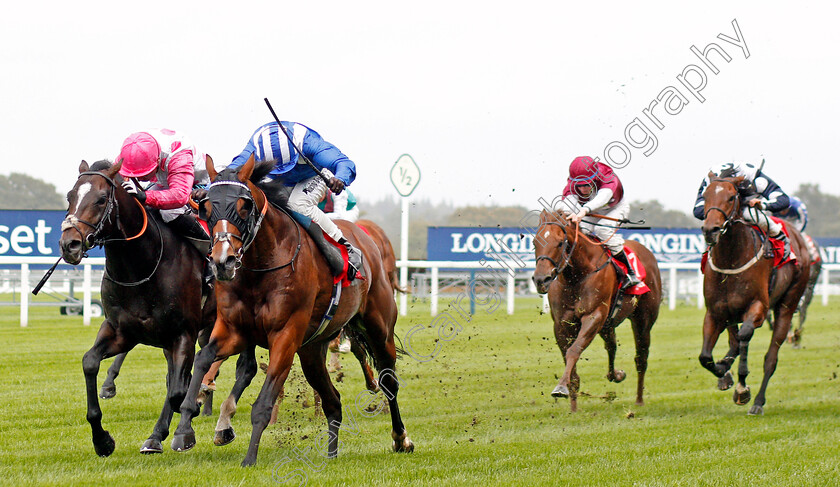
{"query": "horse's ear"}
pixel 245 172
pixel 711 175
pixel 83 167
pixel 114 169
pixel 211 169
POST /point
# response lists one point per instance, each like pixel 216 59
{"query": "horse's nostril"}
pixel 230 262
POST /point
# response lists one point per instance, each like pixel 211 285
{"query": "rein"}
pixel 92 241
pixel 729 221
pixel 559 266
pixel 250 234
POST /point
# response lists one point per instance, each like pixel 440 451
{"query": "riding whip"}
pixel 46 277
pixel 300 153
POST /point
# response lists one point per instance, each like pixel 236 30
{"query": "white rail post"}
pixel 86 293
pixel 700 297
pixel 24 295
pixel 435 290
pixel 404 256
pixel 672 288
pixel 825 272
pixel 511 287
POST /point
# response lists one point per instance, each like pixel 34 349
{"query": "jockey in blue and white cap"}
pixel 760 194
pixel 269 143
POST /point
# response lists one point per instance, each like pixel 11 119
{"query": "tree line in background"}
pixel 23 192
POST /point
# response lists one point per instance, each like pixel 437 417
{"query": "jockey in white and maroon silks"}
pixel 174 166
pixel 760 194
pixel 593 187
pixel 797 215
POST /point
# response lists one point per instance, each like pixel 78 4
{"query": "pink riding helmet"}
pixel 140 154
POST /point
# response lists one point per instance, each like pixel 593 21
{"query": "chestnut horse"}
pixel 273 289
pixel 737 288
pixel 581 284
pixel 151 290
pixel 389 259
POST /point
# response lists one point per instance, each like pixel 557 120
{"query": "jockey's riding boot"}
pixel 332 255
pixel 354 259
pixel 187 226
pixel 632 279
pixel 783 238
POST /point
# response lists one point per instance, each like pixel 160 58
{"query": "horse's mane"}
pixel 261 170
pixel 104 164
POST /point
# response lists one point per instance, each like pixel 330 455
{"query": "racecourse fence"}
pixel 461 283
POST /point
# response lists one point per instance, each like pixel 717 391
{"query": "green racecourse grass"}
pixel 479 413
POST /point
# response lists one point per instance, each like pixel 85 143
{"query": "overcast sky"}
pixel 492 100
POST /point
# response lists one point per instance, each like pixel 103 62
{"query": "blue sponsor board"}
pixel 33 233
pixel 517 244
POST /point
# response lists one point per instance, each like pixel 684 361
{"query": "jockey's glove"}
pixel 135 190
pixel 336 185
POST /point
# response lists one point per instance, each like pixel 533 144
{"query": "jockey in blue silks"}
pixel 304 188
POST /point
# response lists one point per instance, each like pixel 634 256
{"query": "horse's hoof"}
pixel 741 396
pixel 402 443
pixel 756 410
pixel 560 391
pixel 373 386
pixel 183 442
pixel 617 376
pixel 151 446
pixel 249 462
pixel 104 445
pixel 108 392
pixel 726 382
pixel 224 437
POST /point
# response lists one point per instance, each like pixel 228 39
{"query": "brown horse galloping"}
pixel 581 286
pixel 273 288
pixel 737 288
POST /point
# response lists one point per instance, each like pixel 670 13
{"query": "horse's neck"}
pixel 735 246
pixel 128 244
pixel 275 240
pixel 585 259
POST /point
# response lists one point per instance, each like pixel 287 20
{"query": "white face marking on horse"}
pixel 718 189
pixel 546 234
pixel 83 190
pixel 226 243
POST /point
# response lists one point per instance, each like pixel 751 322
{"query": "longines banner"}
pixel 33 233
pixel 493 243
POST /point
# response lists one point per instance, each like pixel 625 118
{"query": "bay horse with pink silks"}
pixel 274 290
pixel 582 290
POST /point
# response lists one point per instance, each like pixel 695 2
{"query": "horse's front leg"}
pixel 222 344
pixel 109 388
pixel 726 381
pixel 711 332
pixel 108 343
pixel 246 369
pixel 590 325
pixel 565 332
pixel 752 319
pixel 179 359
pixel 613 375
pixel 281 355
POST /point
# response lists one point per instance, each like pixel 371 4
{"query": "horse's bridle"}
pixel 565 252
pixel 247 227
pixel 729 218
pixel 111 206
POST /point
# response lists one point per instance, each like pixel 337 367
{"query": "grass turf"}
pixel 479 413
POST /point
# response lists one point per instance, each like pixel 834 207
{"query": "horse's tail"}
pixel 395 283
pixel 355 332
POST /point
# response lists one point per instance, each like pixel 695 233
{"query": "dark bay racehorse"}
pixel 151 290
pixel 740 286
pixel 273 289
pixel 581 284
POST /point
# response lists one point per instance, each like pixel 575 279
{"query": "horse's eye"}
pixel 732 198
pixel 101 201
